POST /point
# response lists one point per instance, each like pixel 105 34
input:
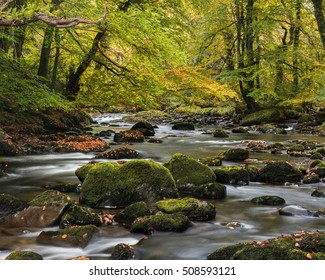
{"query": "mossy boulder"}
pixel 63 187
pixel 220 133
pixel 78 215
pixel 77 236
pixel 24 255
pixel 133 211
pixel 317 193
pixel 161 222
pixel 189 173
pixel 44 210
pixel 239 130
pixel 299 246
pixel 296 210
pixel 279 172
pixel 194 209
pixel 133 136
pixel 305 119
pixel 123 251
pixel 236 175
pixel 252 172
pixel 235 154
pixel 316 156
pixel 211 161
pixel 183 126
pixel 318 163
pixel 264 116
pixel 268 200
pixel 320 171
pixel 114 184
pixel 311 179
pixel 10 204
pixel 119 153
pixel 82 171
pixel 211 191
pixel 146 128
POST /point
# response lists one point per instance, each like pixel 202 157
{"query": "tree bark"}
pixel 43 69
pixel 319 15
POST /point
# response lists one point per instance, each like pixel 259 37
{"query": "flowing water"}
pixel 26 175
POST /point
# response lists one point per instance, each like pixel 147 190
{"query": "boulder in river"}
pixel 317 193
pixel 133 211
pixel 264 116
pixel 296 210
pixel 78 215
pixel 82 171
pixel 129 136
pixel 236 154
pixel 44 210
pixel 77 236
pixel 279 172
pixel 268 200
pixel 146 128
pixel 311 179
pixel 119 153
pixel 24 255
pixel 220 133
pixel 123 251
pixel 236 175
pixel 189 173
pixel 183 126
pixel 112 184
pixel 299 246
pixel 161 222
pixel 194 209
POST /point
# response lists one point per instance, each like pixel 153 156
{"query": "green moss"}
pixel 252 172
pixel 211 191
pixel 232 175
pixel 133 211
pixel 196 210
pixel 316 156
pixel 317 162
pixel 268 200
pixel 188 172
pixel 79 215
pixel 82 171
pixel 320 171
pixel 236 154
pixel 219 133
pixel 264 116
pixel 305 118
pixel 120 185
pixel 311 179
pixel 300 246
pixel 49 198
pixel 161 222
pixel 10 204
pixel 24 255
pixel 211 161
pixel 279 172
pixel 123 251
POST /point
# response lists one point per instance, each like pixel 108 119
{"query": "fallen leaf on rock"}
pixel 309 256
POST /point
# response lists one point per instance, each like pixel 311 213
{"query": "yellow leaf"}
pixel 309 256
pixel 64 236
pixel 297 244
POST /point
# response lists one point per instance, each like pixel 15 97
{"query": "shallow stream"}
pixel 26 175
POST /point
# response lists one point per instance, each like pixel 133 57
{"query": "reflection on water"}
pixel 26 175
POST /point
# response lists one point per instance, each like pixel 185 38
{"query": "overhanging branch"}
pixel 50 20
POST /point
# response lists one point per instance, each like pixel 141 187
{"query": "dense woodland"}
pixel 145 54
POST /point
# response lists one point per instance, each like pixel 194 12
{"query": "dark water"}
pixel 28 173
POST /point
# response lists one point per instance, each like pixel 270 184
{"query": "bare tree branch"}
pixel 50 20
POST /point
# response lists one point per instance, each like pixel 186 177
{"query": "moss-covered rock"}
pixel 316 156
pixel 311 179
pixel 10 204
pixel 236 154
pixel 317 193
pixel 318 163
pixel 24 255
pixel 297 151
pixel 276 147
pixel 239 130
pixel 119 153
pixel 50 197
pixel 77 236
pixel 300 246
pixel 252 172
pixel 146 128
pixel 194 209
pixel 320 150
pixel 114 184
pixel 237 175
pixel 82 171
pixel 268 200
pixel 296 210
pixel 134 136
pixel 133 211
pixel 279 172
pixel 319 170
pixel 189 173
pixel 63 187
pixel 183 126
pixel 264 116
pixel 211 191
pixel 161 222
pixel 78 215
pixel 220 133
pixel 123 251
pixel 305 119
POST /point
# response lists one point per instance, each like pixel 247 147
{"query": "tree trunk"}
pixel 43 69
pixel 296 36
pixel 73 85
pixel 19 39
pixel 56 59
pixel 319 15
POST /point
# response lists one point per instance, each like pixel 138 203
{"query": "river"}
pixel 26 175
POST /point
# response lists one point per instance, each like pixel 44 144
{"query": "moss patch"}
pixel 50 198
pixel 196 210
pixel 24 255
pixel 10 204
pixel 264 116
pixel 268 200
pixel 232 175
pixel 211 191
pixel 133 211
pixel 236 155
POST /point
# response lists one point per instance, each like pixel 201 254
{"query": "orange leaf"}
pixel 85 235
pixel 64 236
pixel 297 244
pixel 309 256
